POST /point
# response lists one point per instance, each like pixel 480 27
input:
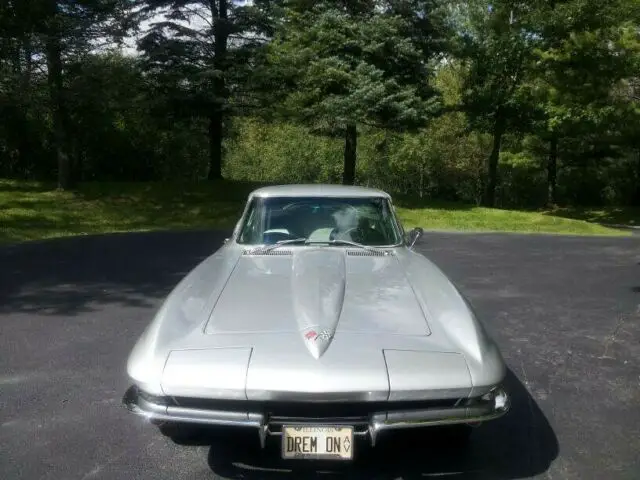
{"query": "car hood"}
pixel 346 322
pixel 318 292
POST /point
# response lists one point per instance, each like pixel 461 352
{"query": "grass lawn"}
pixel 627 216
pixel 32 211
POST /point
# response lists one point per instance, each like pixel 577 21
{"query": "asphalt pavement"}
pixel 564 310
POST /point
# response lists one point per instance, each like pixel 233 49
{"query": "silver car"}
pixel 316 322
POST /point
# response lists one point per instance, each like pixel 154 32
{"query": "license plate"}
pixel 319 443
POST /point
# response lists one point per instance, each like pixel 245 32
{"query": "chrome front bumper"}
pixel 468 411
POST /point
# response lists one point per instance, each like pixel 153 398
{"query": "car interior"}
pixel 317 222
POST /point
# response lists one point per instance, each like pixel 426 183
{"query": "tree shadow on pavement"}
pixel 519 445
pixel 70 276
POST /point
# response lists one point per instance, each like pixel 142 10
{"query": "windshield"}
pixel 365 220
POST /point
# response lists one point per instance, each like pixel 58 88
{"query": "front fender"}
pixel 184 312
pixel 452 316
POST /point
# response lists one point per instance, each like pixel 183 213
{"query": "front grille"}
pixel 277 410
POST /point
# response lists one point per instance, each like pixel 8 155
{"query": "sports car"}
pixel 317 323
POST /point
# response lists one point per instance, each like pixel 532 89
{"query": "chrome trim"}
pixel 138 405
pixel 490 406
pixel 374 429
pixel 263 431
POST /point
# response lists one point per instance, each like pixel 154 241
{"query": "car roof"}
pixel 318 190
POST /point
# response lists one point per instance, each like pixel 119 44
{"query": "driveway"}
pixel 565 311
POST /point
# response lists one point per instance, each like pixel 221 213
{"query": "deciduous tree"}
pixel 496 41
pixel 585 51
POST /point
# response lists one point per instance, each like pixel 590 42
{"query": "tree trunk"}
pixel 350 149
pixel 480 171
pixel 219 17
pixel 54 81
pixel 492 180
pixel 215 147
pixel 25 147
pixel 636 199
pixel 75 161
pixel 552 171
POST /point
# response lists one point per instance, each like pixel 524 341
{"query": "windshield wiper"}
pixel 304 240
pixel 279 243
pixel 356 244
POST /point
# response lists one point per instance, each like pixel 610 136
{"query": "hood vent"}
pixel 369 253
pixel 258 251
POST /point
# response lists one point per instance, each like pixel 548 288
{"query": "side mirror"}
pixel 414 235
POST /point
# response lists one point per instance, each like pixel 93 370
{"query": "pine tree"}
pixel 337 66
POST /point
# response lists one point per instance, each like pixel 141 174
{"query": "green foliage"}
pixel 575 70
pixel 353 66
pixel 38 39
pixel 121 132
pixel 537 101
pixel 282 152
pixel 439 162
pixel 348 66
pixel 495 41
